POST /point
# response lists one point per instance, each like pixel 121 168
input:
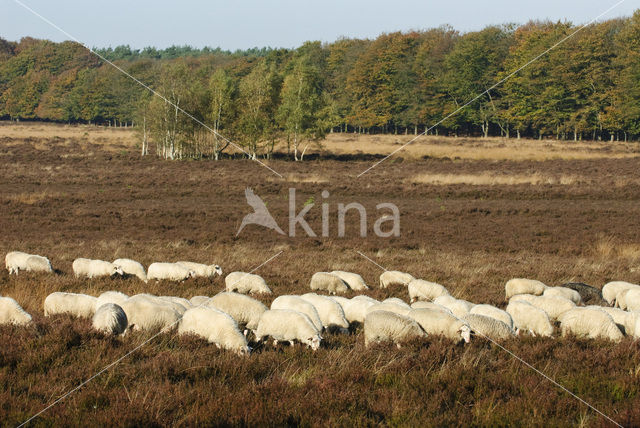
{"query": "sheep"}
pixel 245 310
pixel 527 317
pixel 458 307
pixel 389 307
pixel 95 268
pixel 493 312
pixel 37 263
pixel 396 300
pixel 330 312
pixel 353 280
pixel 523 286
pixel 611 290
pixel 216 327
pixel 79 305
pixel 421 304
pixel 591 323
pixel 354 309
pixel 288 325
pixel 145 313
pixel 12 313
pixel 553 306
pixel 110 319
pixel 385 326
pixel 185 303
pixel 365 298
pixel 297 303
pixel 169 271
pixel 115 297
pixel 328 282
pixel 563 292
pixel 589 295
pixel 438 323
pixel 132 267
pixel 199 300
pixel 629 299
pixel 203 270
pixel 626 321
pixel 176 303
pixel 394 277
pixel 488 327
pixel 244 283
pixel 420 289
pixel 16 261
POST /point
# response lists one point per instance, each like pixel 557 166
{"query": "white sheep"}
pixel 202 270
pixel 199 300
pixel 458 307
pixel 216 327
pixel 169 271
pixel 389 307
pixel 185 303
pixel 629 299
pixel 12 313
pixel 385 326
pixel 611 290
pixel 493 312
pixel 298 304
pixel 245 310
pixel 553 306
pixel 625 320
pixel 395 277
pixel 110 319
pixel 488 327
pixel 145 313
pixel 396 300
pixel 132 267
pixel 177 303
pixel 16 261
pixel 288 325
pixel 529 318
pixel 421 304
pixel 328 282
pixel 420 289
pixel 366 298
pixel 591 323
pixel 330 312
pixel 523 286
pixel 355 310
pixel 438 323
pixel 79 305
pixel 564 292
pixel 353 280
pixel 244 283
pixel 94 268
pixel 115 297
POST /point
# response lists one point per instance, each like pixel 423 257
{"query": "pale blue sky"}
pixel 276 23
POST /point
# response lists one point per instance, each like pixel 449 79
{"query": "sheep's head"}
pixel 117 270
pixel 215 269
pixel 314 342
pixel 465 333
pixel 192 274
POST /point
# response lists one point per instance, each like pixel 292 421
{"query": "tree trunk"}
pixel 518 133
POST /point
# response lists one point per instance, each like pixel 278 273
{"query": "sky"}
pixel 243 24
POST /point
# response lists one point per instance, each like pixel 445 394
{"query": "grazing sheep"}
pixel 110 319
pixel 132 267
pixel 216 327
pixel 565 293
pixel 384 326
pixel 458 307
pixel 420 289
pixel 626 321
pixel 244 283
pixel 629 299
pixel 438 323
pixel 330 312
pixel 94 268
pixel 353 280
pixel 146 313
pixel 328 282
pixel 395 277
pixel 175 302
pixel 421 304
pixel 523 286
pixel 37 263
pixel 203 270
pixel 591 323
pixel 529 318
pixel 288 325
pixel 589 295
pixel 389 307
pixel 493 312
pixel 199 300
pixel 355 310
pixel 169 271
pixel 366 298
pixel 16 261
pixel 611 290
pixel 396 300
pixel 488 327
pixel 12 313
pixel 297 303
pixel 553 306
pixel 185 303
pixel 245 310
pixel 79 305
pixel 115 297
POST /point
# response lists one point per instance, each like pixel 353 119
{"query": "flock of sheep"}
pixel 230 317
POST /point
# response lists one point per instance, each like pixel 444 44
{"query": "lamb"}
pixel 328 282
pixel 16 261
pixel 458 307
pixel 353 280
pixel 523 286
pixel 355 310
pixel 488 327
pixel 629 299
pixel 589 295
pixel 110 319
pixel 330 312
pixel 79 305
pixel 529 318
pixel 394 277
pixel 553 306
pixel 438 323
pixel 420 289
pixel 12 313
pixel 384 326
pixel 145 313
pixel 298 304
pixel 611 290
pixel 199 300
pixel 389 307
pixel 115 297
pixel 215 326
pixel 288 325
pixel 244 283
pixel 169 271
pixel 493 312
pixel 207 271
pixel 95 268
pixel 421 304
pixel 563 292
pixel 591 323
pixel 396 300
pixel 132 267
pixel 245 310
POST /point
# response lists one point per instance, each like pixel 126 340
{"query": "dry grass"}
pixel 490 179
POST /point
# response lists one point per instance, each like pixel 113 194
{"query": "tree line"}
pixel 586 88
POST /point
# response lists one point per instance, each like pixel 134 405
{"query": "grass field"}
pixel 474 214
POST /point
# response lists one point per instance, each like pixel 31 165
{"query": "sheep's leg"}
pixel 245 332
pixel 532 333
pixel 399 346
pixel 275 342
pixel 291 343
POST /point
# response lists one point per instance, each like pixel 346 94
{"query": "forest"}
pixel 587 88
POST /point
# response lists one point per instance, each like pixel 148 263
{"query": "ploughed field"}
pixel 467 223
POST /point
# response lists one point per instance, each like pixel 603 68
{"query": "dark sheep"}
pixel 590 295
